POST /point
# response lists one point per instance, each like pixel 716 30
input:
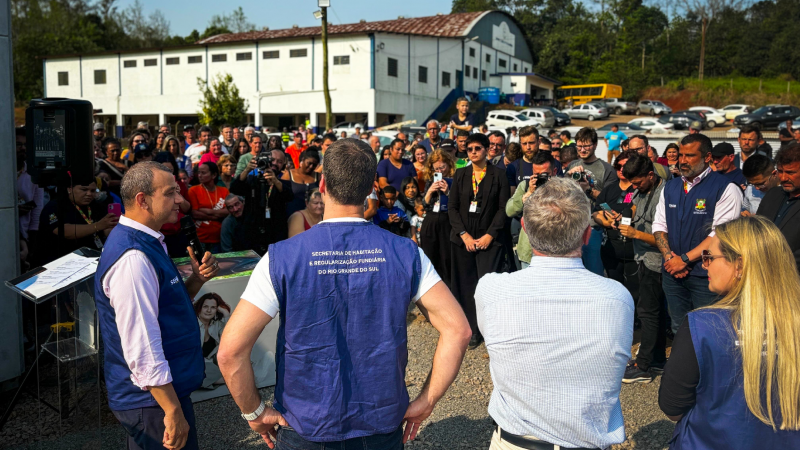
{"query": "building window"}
pixel 271 54
pixel 341 60
pixel 392 67
pixel 173 61
pixel 483 75
pixel 63 78
pixel 501 62
pixel 475 73
pixel 195 59
pixel 150 62
pixel 488 58
pixel 219 58
pixel 515 67
pixel 129 63
pixel 445 79
pixel 467 70
pixel 298 53
pixel 99 77
pixel 472 53
pixel 248 56
pixel 423 74
pixel 525 69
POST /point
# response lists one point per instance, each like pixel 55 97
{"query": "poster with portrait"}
pixel 214 305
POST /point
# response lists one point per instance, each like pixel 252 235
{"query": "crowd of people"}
pixel 553 254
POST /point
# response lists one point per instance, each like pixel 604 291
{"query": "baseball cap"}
pixel 696 125
pixel 188 127
pixel 141 148
pixel 447 144
pixel 722 149
pixel 98 126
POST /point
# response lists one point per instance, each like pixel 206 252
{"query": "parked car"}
pixel 652 107
pixel 682 121
pixel 769 116
pixel 713 116
pixel 698 115
pixel 653 125
pixel 589 111
pixel 561 118
pixel 619 106
pixel 347 127
pixel 731 111
pixel 544 117
pixel 506 118
pixel 627 128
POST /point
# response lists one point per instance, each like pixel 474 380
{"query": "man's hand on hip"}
pixel 176 430
pixel 265 425
pixel 417 412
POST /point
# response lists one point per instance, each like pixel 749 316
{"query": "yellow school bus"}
pixel 583 93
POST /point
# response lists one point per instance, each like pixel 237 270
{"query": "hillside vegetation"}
pixel 720 91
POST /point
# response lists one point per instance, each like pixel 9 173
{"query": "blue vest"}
pixel 176 319
pixel 689 216
pixel 720 418
pixel 344 290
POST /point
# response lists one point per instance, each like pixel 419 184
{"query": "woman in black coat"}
pixel 477 213
pixel 435 230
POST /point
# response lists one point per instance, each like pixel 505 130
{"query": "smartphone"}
pixel 115 208
pixel 605 207
pixel 437 177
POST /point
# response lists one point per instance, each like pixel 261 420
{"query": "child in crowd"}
pixel 416 220
pixel 389 216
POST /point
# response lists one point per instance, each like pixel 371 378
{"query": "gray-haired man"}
pixel 557 355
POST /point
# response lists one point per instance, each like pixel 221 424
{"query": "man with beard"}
pixel 780 204
pixel 749 138
pixel 522 169
pixel 99 133
pixel 688 208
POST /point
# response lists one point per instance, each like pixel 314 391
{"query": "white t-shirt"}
pixel 261 293
pixel 195 152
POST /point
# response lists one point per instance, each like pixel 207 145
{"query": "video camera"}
pixel 264 161
pixel 541 179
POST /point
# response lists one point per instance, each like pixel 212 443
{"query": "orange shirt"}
pixel 294 152
pixel 208 230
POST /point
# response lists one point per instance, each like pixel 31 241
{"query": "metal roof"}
pixel 446 25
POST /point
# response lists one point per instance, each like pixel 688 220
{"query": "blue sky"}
pixel 185 16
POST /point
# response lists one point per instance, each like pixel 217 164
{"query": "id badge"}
pixel 436 207
pixel 473 207
pixel 97 242
pixel 267 213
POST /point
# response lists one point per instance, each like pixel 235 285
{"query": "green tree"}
pixel 221 102
pixel 236 22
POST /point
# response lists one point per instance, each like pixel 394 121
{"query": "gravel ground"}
pixel 460 420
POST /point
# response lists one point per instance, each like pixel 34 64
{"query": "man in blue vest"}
pixel 153 357
pixel 342 290
pixel 688 210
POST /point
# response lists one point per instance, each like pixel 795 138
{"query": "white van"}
pixel 544 117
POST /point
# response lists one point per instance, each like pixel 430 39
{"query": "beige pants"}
pixel 499 444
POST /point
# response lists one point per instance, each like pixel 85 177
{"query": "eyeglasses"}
pixel 707 257
pixel 764 184
pixel 474 149
pixel 635 149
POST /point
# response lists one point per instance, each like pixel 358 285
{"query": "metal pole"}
pixel 326 91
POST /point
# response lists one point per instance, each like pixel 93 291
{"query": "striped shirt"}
pixel 559 338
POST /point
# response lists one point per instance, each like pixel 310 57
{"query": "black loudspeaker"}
pixel 59 139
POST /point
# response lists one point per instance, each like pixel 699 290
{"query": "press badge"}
pixel 473 207
pixel 436 207
pixel 97 242
pixel 267 213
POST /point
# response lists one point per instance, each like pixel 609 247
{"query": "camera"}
pixel 264 161
pixel 579 176
pixel 541 179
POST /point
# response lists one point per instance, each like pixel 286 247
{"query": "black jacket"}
pixel 492 197
pixel 790 225
pixel 260 232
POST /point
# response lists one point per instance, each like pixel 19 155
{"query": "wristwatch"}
pixel 254 415
pixel 685 258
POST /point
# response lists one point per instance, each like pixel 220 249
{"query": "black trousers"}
pixel 468 268
pixel 145 426
pixel 653 317
pixel 435 242
pixel 620 265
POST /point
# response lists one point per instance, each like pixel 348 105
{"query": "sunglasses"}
pixel 474 149
pixel 707 257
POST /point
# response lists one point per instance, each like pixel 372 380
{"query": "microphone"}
pixel 627 216
pixel 190 231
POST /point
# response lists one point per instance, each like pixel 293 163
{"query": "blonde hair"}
pixel 765 312
pixel 224 159
pixel 165 144
pixel 436 156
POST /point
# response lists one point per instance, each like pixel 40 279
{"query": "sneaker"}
pixel 657 368
pixel 635 375
pixel 475 341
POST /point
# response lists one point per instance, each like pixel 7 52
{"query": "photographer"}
pixel 543 169
pixel 266 196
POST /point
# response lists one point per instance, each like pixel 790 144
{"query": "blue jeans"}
pixel 288 439
pixel 590 253
pixel 684 295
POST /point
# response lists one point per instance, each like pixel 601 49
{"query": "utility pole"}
pixel 324 4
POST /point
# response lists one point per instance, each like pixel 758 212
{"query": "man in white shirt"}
pixel 557 355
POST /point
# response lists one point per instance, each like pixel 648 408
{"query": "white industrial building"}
pixel 379 72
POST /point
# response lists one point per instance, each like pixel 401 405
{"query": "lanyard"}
pixel 87 219
pixel 213 203
pixel 477 177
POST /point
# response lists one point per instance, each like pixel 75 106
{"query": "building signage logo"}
pixel 503 39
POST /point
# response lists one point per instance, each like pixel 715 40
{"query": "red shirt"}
pixel 294 152
pixel 210 157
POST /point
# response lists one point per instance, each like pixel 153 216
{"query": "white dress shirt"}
pixel 131 285
pixel 728 207
pixel 557 352
pixel 261 292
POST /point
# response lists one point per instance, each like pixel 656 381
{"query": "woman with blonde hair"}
pixel 435 230
pixel 733 378
pixel 304 219
pixel 173 146
pixel 227 169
